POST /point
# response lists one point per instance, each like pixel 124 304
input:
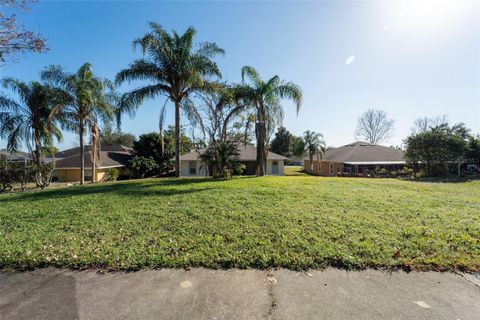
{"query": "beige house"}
pixel 190 164
pixel 67 164
pixel 355 158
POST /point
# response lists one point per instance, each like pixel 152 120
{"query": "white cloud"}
pixel 386 27
pixel 350 60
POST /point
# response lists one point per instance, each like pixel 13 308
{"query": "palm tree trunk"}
pixel 38 160
pixel 93 168
pixel 92 155
pixel 260 143
pixel 95 149
pixel 311 163
pixel 177 138
pixel 82 150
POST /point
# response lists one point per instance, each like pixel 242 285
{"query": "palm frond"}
pixel 134 98
pixel 210 49
pixel 141 70
pixel 191 111
pixel 54 75
pixel 252 74
pixel 7 104
pixel 21 88
pixel 161 123
pixel 290 91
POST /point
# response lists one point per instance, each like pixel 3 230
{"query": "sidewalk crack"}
pixel 271 282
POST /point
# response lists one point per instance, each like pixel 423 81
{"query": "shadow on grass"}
pixel 150 187
pixel 445 179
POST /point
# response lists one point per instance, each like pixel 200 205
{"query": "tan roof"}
pixel 110 156
pixel 364 152
pixel 248 152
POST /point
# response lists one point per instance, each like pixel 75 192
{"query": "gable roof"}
pixel 17 155
pixel 363 153
pixel 76 150
pixel 110 157
pixel 248 152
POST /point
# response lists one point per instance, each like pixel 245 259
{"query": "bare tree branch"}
pixel 424 124
pixel 374 126
pixel 13 36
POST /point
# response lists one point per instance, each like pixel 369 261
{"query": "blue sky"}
pixel 409 59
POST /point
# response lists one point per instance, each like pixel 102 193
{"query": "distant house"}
pixel 357 157
pixel 67 166
pixel 190 164
pixel 16 156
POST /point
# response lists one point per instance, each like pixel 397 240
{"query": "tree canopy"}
pixel 149 146
pixel 440 149
pixel 111 137
pixel 287 144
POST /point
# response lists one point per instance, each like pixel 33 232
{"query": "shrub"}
pixel 383 171
pixel 422 173
pixel 221 158
pixel 12 173
pixel 149 146
pixel 43 175
pixel 142 167
pixel 111 174
pixel 239 168
pixel 438 150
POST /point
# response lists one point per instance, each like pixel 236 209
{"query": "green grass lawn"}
pixel 297 222
pixel 294 171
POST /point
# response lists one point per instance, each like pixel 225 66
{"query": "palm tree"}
pixel 29 120
pixel 314 145
pixel 174 67
pixel 221 158
pixel 265 98
pixel 90 101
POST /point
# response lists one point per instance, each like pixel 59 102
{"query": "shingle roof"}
pixel 76 150
pixel 17 155
pixel 248 152
pixel 110 156
pixel 364 152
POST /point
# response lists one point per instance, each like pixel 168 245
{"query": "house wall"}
pixel 73 175
pixel 281 171
pixel 324 168
pixel 67 175
pixel 185 169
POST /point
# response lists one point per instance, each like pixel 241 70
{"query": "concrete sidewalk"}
pixel 238 294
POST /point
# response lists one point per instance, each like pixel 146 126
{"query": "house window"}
pixel 331 168
pixel 192 167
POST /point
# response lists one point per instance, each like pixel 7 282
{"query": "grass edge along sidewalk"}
pixel 298 222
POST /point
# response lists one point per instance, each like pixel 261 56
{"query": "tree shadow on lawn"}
pixel 445 179
pixel 157 187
